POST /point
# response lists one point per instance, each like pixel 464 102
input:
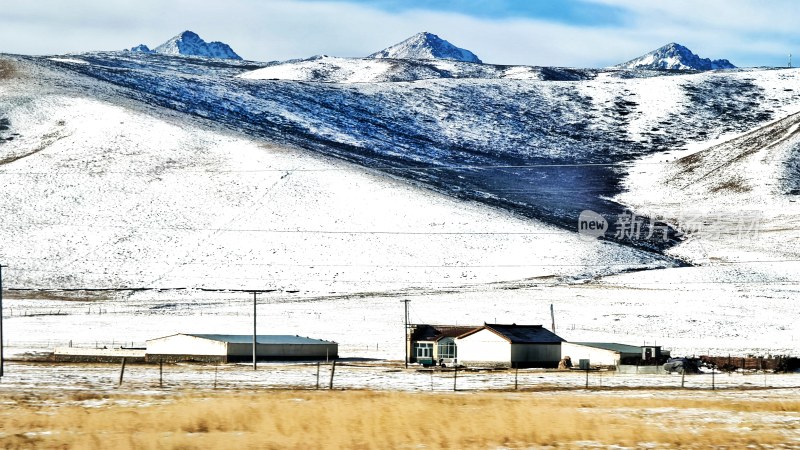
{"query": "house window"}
pixel 424 350
pixel 447 348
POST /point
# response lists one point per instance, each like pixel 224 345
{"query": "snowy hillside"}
pixel 737 200
pixel 542 149
pixel 189 43
pixel 327 69
pixel 108 195
pixel 426 46
pixel 675 57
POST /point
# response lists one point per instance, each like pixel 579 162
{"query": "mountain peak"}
pixel 141 48
pixel 426 45
pixel 189 43
pixel 675 56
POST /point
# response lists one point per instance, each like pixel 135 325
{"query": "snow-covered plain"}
pixel 108 188
pixel 692 311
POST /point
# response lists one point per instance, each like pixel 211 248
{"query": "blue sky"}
pixel 566 11
pixel 578 33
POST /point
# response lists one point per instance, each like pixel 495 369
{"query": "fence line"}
pixel 349 375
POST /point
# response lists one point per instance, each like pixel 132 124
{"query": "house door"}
pixel 423 351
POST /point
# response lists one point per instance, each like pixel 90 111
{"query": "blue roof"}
pixel 260 339
pixel 520 334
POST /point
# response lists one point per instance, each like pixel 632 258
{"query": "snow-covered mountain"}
pixel 189 43
pixel 426 46
pixel 675 57
pixel 141 48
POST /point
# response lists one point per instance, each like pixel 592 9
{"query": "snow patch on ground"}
pixel 341 70
pixel 69 60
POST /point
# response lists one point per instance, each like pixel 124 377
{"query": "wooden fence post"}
pixel 587 376
pixel 317 374
pixel 122 371
pixel 333 370
pixel 516 376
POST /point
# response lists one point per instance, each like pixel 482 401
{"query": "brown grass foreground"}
pixel 386 420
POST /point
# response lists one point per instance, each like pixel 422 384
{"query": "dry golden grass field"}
pixel 389 420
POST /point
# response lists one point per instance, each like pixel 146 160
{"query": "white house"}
pixel 498 345
pixel 434 344
pixel 230 348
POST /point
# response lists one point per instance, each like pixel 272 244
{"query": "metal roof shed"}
pixel 500 345
pixel 600 353
pixel 238 347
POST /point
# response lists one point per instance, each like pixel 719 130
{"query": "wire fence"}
pixel 31 376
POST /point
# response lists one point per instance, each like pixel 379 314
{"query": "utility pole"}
pixel 2 361
pixel 405 331
pixel 255 311
pixel 553 317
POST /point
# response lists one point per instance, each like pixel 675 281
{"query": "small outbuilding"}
pixel 499 345
pixel 610 354
pixel 600 353
pixel 238 347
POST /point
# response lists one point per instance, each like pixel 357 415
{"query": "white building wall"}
pixel 181 344
pixel 483 348
pixel 596 356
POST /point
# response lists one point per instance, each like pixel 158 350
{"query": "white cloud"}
pixel 281 29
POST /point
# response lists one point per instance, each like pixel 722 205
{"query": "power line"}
pixel 13 225
pixel 410 285
pixel 312 265
pixel 334 169
pixel 287 231
pixel 412 282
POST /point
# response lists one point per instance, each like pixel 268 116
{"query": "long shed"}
pixel 499 345
pixel 238 347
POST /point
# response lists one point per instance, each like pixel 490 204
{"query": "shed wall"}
pixel 535 355
pixel 596 356
pixel 182 344
pixel 284 351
